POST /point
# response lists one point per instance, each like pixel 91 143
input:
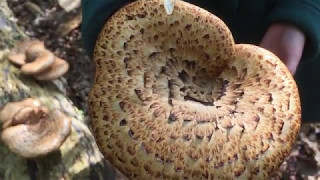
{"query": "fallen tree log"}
pixel 78 157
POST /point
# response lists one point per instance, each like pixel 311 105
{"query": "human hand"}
pixel 285 41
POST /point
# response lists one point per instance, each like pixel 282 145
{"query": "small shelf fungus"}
pixel 34 59
pixel 30 130
pixel 175 98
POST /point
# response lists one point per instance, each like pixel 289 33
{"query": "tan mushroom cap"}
pixel 43 61
pixel 17 58
pixel 56 70
pixel 34 131
pixel 9 111
pixel 35 50
pixel 174 97
pixel 18 55
pixel 36 60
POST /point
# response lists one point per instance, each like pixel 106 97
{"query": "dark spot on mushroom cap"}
pixel 123 122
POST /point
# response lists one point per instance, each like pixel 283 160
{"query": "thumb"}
pixel 285 41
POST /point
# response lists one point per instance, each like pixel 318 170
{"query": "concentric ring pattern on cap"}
pixel 174 97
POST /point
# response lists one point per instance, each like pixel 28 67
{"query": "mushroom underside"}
pixel 175 98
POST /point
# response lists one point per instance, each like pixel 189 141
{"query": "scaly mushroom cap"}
pixel 175 98
pixel 33 131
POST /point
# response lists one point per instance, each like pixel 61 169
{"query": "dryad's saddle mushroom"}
pixel 30 130
pixel 174 97
pixel 36 60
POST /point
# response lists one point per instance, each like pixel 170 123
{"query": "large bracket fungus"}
pixel 30 130
pixel 174 97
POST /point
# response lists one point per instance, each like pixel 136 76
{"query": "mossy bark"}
pixel 78 158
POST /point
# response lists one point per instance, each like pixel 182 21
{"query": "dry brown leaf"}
pixel 69 25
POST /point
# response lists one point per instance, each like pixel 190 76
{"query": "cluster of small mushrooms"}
pixel 175 98
pixel 30 130
pixel 36 60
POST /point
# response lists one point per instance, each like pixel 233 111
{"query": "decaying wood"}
pixel 78 157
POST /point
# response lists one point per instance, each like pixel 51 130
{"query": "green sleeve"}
pixel 95 13
pixel 303 14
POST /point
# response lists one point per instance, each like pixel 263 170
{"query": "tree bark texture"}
pixel 78 158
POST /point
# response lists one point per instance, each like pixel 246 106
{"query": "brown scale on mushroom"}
pixel 30 130
pixel 197 105
pixel 36 60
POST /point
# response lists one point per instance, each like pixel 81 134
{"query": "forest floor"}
pixel 47 21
